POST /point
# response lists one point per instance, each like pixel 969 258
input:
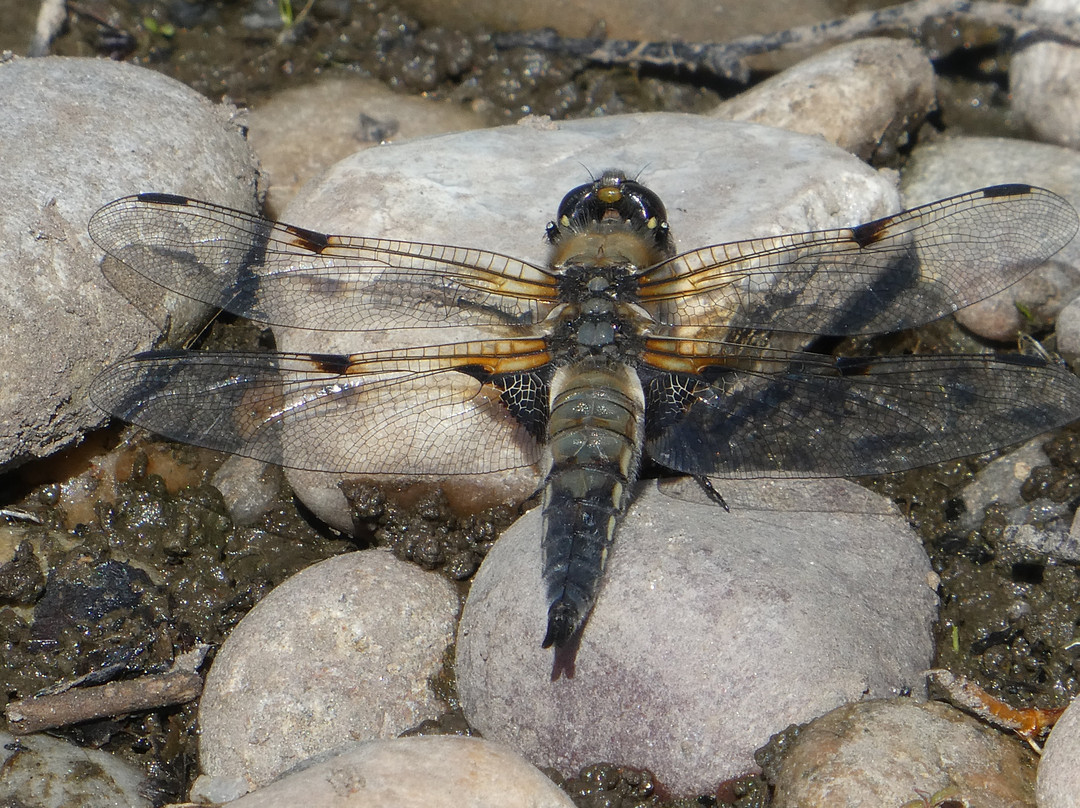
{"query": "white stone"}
pixel 712 630
pixel 340 652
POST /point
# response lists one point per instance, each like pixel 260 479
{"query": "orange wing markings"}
pixel 492 356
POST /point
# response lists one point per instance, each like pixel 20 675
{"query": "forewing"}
pixel 407 412
pixel 777 414
pixel 280 274
pixel 895 273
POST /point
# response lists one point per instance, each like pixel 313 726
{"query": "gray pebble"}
pixel 341 652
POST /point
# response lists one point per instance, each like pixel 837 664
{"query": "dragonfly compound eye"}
pixel 612 201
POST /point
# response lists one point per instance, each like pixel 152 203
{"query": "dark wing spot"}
pixel 164 199
pixel 866 234
pixel 1010 189
pixel 337 364
pixel 309 240
pixel 854 365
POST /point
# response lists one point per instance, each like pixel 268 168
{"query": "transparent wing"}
pixel 284 275
pixel 412 412
pixel 770 413
pixel 895 273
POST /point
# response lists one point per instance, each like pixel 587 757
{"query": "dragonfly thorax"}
pixel 599 315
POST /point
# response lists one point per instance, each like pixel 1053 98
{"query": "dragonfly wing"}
pixel 775 414
pixel 280 274
pixel 392 413
pixel 891 274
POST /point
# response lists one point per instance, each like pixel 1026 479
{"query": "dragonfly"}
pixel 616 352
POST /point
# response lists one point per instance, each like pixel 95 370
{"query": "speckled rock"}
pixel 713 630
pixel 1058 783
pixel 301 131
pixel 77 134
pixel 497 189
pixel 51 773
pixel 961 164
pixel 341 652
pixel 413 773
pixel 1044 84
pixel 887 752
pixel 863 96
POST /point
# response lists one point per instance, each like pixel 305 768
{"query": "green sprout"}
pixel 286 12
pixel 165 29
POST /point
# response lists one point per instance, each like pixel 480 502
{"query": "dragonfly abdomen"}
pixel 595 434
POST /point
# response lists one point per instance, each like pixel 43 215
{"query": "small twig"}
pixel 180 684
pixel 1029 723
pixel 728 59
pixel 20 515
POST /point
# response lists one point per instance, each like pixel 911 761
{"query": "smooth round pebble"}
pixel 497 189
pixel 1043 82
pixel 1058 781
pixel 861 96
pixel 340 652
pixel 712 631
pixel 414 772
pixel 78 133
pixel 961 164
pixel 46 772
pixel 898 751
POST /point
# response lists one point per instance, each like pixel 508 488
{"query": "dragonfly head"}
pixel 613 203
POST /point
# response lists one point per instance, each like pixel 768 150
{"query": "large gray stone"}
pixel 712 631
pixel 78 133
